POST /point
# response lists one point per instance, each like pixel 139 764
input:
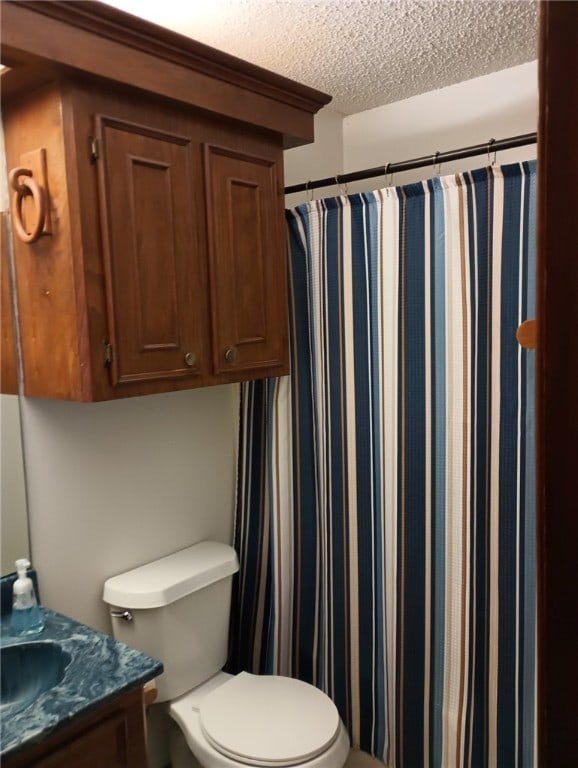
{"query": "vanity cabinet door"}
pixel 246 263
pixel 151 253
pixel 111 737
pixel 105 745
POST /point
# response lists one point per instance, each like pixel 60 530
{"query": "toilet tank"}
pixel 176 610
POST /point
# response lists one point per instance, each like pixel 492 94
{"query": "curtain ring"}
pixel 434 161
pixel 309 191
pixel 490 144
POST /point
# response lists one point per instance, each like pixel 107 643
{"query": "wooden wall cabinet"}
pixel 162 266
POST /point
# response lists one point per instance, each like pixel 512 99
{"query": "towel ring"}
pixel 23 185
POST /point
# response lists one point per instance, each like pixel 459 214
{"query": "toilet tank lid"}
pixel 163 581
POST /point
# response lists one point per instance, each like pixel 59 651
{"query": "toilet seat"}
pixel 237 720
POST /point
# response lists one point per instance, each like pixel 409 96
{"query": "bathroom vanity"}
pixel 93 715
pixel 112 737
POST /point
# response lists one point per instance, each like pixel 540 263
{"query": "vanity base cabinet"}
pixel 163 263
pixel 113 737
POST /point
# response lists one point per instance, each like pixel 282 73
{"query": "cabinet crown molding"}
pixel 96 39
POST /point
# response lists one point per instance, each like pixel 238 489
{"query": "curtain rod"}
pixel 492 145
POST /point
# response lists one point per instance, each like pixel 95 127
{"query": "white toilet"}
pixel 176 610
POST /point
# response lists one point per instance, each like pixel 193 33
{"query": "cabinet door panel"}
pixel 150 246
pixel 107 744
pixel 247 262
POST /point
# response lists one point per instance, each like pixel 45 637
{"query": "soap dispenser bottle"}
pixel 26 618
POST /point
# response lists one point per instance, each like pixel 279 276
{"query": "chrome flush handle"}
pixel 121 614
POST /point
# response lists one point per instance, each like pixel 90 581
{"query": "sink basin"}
pixel 28 670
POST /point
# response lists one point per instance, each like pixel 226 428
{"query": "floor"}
pixel 359 759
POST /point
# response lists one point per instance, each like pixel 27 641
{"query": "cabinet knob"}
pixel 190 359
pixel 230 355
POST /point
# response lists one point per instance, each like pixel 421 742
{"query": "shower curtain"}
pixel 385 504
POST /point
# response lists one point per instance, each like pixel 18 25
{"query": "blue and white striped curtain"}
pixel 385 520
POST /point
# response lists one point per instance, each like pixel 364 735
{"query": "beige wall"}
pixel 319 160
pixel 114 485
pixel 14 525
pixel 497 106
pixel 118 484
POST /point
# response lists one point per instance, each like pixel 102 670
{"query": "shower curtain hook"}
pixel 490 144
pixel 439 168
pixel 341 188
pixel 309 191
pixel 388 182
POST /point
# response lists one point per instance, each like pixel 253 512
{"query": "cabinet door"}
pixel 247 263
pixel 150 248
pixel 107 744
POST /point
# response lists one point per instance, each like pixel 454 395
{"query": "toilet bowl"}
pixel 265 721
pixel 176 609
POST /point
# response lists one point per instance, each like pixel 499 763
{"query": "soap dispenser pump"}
pixel 26 618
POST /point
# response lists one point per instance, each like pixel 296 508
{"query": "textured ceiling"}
pixel 364 53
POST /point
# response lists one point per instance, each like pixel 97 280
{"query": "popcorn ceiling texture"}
pixel 365 53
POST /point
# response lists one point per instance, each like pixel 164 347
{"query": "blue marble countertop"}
pixel 101 668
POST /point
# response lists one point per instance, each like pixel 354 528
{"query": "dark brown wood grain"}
pixel 165 266
pixel 151 252
pixel 557 386
pixel 165 256
pixel 8 353
pixel 48 295
pixel 248 281
pixel 113 736
pixel 96 39
pixel 119 299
